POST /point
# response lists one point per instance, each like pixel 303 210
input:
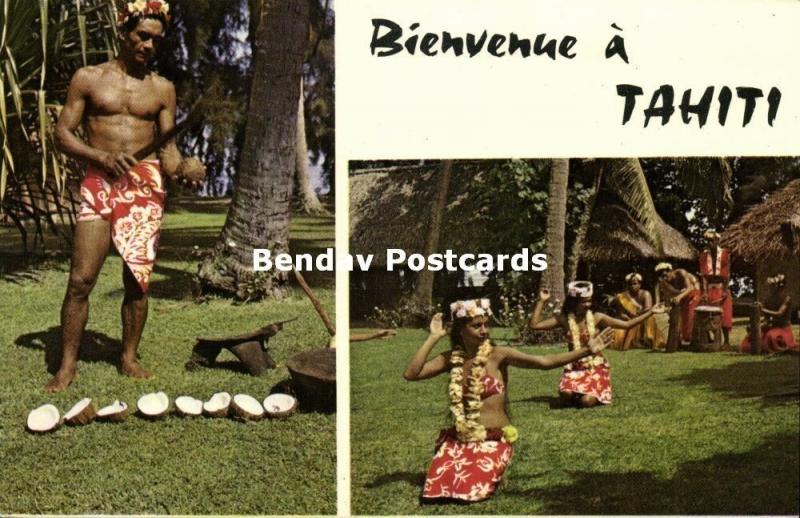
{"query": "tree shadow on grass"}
pixel 21 269
pixel 416 479
pixel 95 347
pixel 553 402
pixel 178 285
pixel 763 480
pixel 776 380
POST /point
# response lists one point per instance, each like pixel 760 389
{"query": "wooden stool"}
pixel 707 333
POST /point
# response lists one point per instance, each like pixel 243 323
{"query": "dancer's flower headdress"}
pixel 140 8
pixel 633 276
pixel 663 267
pixel 580 289
pixel 470 308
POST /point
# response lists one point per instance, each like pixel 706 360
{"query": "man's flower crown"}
pixel 141 8
pixel 470 308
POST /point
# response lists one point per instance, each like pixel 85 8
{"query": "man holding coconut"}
pixel 123 108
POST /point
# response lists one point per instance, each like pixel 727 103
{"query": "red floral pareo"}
pixel 134 204
pixel 468 471
pixel 592 377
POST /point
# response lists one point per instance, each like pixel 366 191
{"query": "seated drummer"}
pixel 679 288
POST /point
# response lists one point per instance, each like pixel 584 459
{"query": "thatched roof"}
pixel 614 235
pixel 757 236
pixel 391 209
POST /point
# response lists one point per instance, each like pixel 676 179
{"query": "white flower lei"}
pixel 466 415
pixel 575 331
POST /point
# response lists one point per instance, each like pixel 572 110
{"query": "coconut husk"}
pixel 82 413
pixel 183 406
pixel 218 405
pixel 279 406
pixel 153 406
pixel 246 408
pixel 44 419
pixel 116 412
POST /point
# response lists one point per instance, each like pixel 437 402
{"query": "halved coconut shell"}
pixel 218 405
pixel 280 405
pixel 44 419
pixel 246 408
pixel 153 405
pixel 186 406
pixel 116 412
pixel 83 412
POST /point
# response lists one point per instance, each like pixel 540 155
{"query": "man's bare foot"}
pixel 61 380
pixel 134 370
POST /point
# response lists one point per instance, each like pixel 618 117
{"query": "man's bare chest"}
pixel 137 98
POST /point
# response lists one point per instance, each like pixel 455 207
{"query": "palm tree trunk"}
pixel 553 276
pixel 573 262
pixel 258 216
pixel 309 203
pixel 422 297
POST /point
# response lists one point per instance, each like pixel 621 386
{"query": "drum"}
pixel 707 333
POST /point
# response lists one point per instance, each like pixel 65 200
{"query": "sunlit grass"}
pixel 688 433
pixel 184 466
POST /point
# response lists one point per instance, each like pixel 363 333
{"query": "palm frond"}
pixel 626 179
pixel 42 44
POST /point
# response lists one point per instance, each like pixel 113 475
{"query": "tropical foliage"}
pixel 41 45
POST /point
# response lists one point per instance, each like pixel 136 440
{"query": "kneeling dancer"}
pixel 586 382
pixel 471 457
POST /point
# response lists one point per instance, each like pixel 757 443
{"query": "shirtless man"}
pixel 123 107
pixel 682 290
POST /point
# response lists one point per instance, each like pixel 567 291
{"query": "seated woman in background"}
pixel 629 304
pixel 586 382
pixel 776 333
pixel 471 457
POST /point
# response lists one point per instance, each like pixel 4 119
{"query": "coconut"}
pixel 116 412
pixel 153 405
pixel 246 408
pixel 44 419
pixel 188 406
pixel 217 406
pixel 280 405
pixel 83 412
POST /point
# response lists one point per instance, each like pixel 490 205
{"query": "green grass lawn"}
pixel 688 433
pixel 183 466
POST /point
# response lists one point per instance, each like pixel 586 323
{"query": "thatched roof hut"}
pixel 392 210
pixel 758 236
pixel 766 239
pixel 615 236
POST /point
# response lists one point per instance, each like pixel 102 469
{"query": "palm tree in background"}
pixel 259 214
pixel 553 276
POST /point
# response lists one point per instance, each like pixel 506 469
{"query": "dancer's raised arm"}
pixel 420 368
pixel 536 321
pixel 516 358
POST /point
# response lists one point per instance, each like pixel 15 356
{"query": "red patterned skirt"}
pixel 773 340
pixel 134 204
pixel 467 471
pixel 592 381
pixel 716 292
pixel 688 305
